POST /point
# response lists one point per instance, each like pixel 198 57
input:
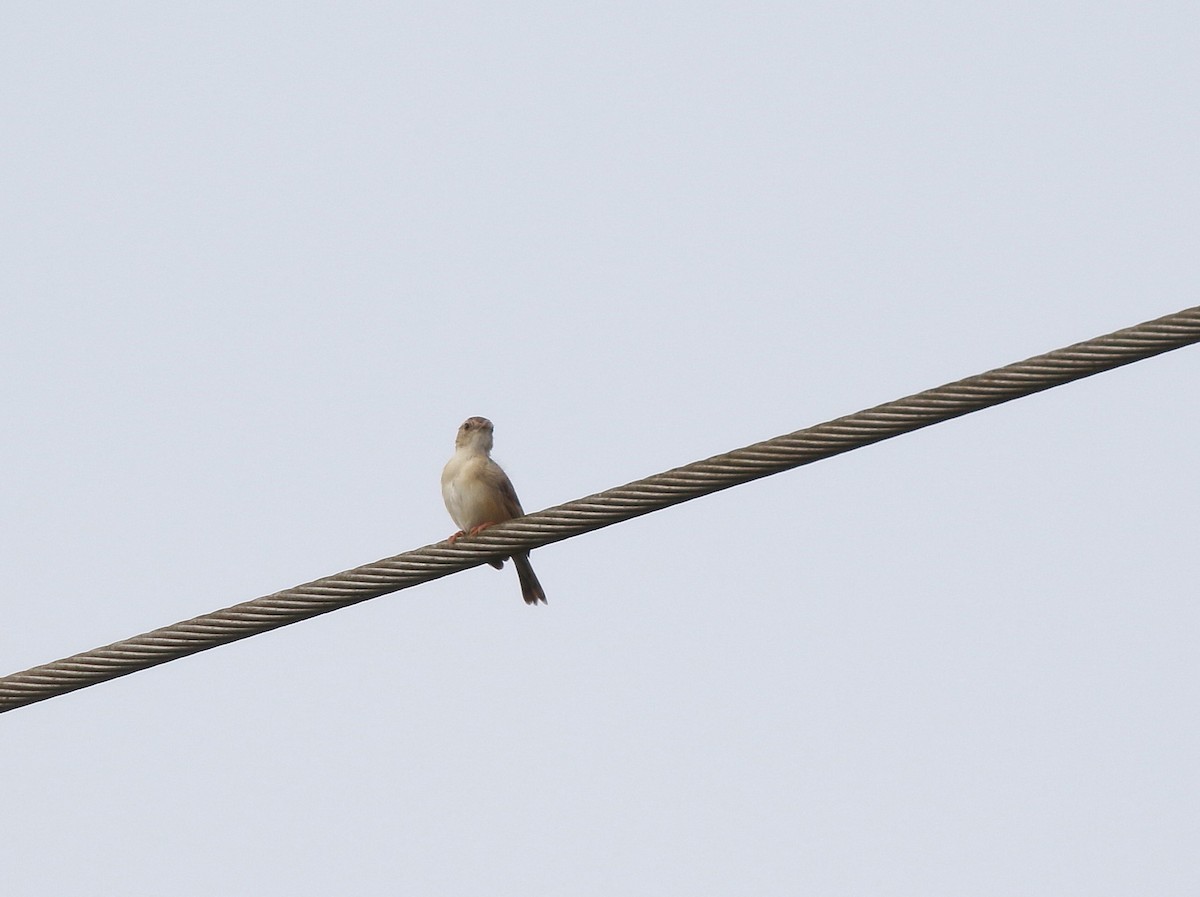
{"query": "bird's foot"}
pixel 473 531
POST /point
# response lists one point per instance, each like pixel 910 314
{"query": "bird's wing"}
pixel 508 495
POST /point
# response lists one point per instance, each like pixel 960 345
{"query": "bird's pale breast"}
pixel 470 495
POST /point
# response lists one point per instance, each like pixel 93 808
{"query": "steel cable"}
pixel 602 509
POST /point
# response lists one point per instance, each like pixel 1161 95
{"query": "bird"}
pixel 479 493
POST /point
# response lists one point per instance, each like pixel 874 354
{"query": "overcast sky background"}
pixel 259 261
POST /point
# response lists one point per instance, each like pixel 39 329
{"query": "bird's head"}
pixel 475 432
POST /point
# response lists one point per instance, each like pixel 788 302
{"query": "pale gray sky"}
pixel 259 261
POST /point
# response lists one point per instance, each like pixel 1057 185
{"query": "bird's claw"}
pixel 473 531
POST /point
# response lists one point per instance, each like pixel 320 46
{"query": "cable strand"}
pixel 603 509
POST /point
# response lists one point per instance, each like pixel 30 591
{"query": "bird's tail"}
pixel 531 589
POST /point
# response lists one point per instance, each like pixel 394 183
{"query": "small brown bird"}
pixel 479 493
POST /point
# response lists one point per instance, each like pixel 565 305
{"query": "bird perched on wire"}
pixel 479 493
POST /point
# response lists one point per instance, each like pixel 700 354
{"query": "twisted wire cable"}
pixel 602 509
